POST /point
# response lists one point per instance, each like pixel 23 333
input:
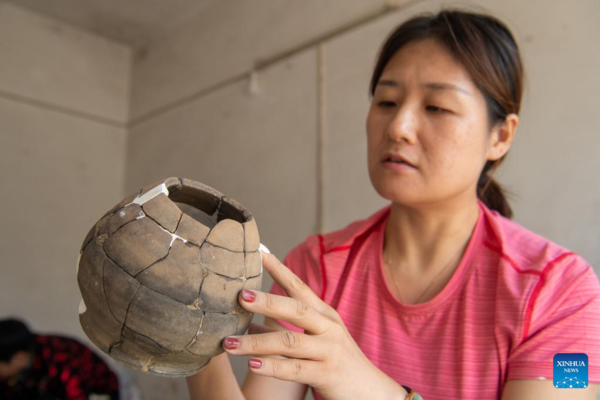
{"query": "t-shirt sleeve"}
pixel 303 261
pixel 562 317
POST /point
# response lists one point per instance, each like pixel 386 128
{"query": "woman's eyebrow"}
pixel 445 86
pixel 431 86
pixel 388 82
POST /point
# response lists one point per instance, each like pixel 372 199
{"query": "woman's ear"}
pixel 502 136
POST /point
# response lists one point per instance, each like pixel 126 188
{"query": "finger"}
pixel 290 283
pixel 284 343
pixel 302 371
pixel 255 329
pixel 285 308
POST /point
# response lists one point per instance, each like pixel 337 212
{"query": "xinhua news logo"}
pixel 570 371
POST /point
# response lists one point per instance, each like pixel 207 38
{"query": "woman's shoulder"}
pixel 536 278
pixel 524 250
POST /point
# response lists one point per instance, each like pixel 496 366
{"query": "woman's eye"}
pixel 386 104
pixel 435 109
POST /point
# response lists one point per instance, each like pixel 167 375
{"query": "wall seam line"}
pixel 60 109
pixel 320 226
pixel 188 99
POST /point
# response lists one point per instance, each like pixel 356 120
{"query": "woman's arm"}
pixel 215 382
pixel 266 388
pixel 534 390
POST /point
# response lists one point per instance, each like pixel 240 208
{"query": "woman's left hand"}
pixel 325 356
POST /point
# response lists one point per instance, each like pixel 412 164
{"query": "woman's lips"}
pixel 396 162
pixel 398 166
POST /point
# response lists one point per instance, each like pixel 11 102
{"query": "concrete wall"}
pixel 63 106
pixel 193 114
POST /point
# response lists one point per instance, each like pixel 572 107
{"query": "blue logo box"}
pixel 570 371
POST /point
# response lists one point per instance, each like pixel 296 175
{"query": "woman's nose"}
pixel 403 126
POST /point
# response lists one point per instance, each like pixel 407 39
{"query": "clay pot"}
pixel 160 275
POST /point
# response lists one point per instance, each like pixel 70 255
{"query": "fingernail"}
pixel 254 363
pixel 232 343
pixel 264 249
pixel 248 295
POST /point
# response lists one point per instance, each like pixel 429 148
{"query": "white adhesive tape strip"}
pixel 152 193
pixel 82 307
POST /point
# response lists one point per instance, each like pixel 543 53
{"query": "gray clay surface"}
pixel 160 276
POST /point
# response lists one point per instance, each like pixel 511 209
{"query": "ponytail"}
pixel 491 193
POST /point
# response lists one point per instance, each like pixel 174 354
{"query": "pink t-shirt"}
pixel 515 300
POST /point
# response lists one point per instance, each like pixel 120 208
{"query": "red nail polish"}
pixel 254 363
pixel 231 343
pixel 248 295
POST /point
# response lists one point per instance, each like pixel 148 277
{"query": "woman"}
pixel 440 291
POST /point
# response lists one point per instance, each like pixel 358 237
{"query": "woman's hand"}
pixel 325 356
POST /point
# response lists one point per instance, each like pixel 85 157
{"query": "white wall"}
pixel 63 105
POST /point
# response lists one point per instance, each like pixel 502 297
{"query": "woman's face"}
pixel 428 131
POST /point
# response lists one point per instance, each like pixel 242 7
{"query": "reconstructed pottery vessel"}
pixel 160 275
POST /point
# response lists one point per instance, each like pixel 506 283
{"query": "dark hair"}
pixel 489 53
pixel 14 337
